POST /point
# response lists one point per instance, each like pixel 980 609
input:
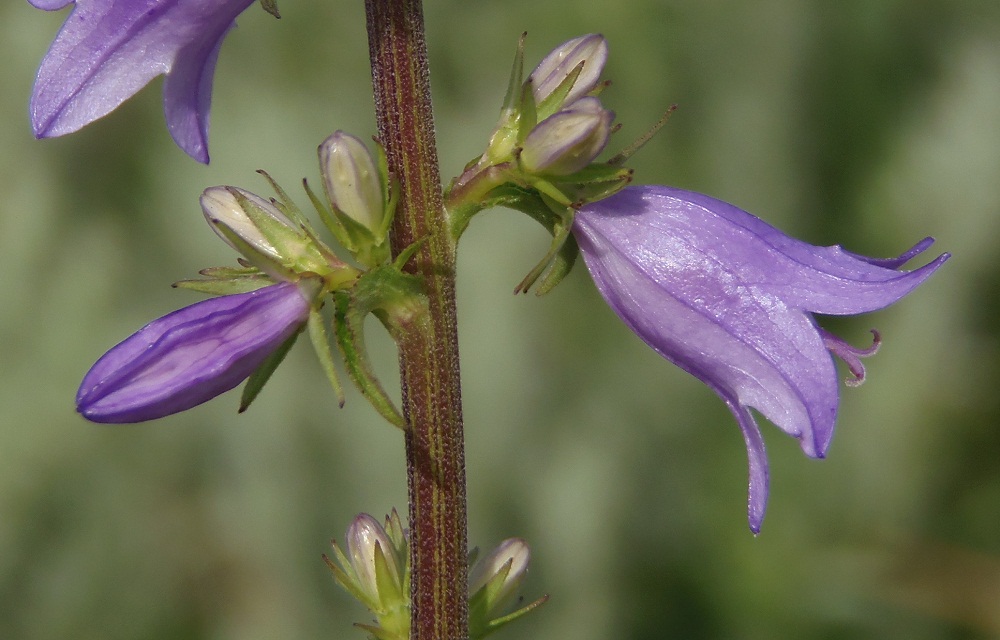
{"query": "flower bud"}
pixel 363 537
pixel 192 355
pixel 591 50
pixel 510 557
pixel 351 179
pixel 569 140
pixel 222 206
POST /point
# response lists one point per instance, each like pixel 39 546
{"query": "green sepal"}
pixel 554 101
pixel 290 243
pixel 262 374
pixel 329 220
pixel 389 592
pixel 560 266
pixel 359 236
pixel 229 272
pixel 321 343
pixel 390 193
pixel 349 330
pixel 271 6
pixel 225 286
pixel 263 261
pixel 597 174
pixel 628 151
pixel 513 95
pixel 284 203
pixel 527 114
pixel 498 623
pixel 559 259
pixel 347 580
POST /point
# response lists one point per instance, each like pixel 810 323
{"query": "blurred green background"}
pixel 869 123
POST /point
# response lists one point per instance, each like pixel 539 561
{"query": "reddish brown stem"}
pixel 429 370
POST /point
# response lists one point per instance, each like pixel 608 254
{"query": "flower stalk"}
pixel 429 370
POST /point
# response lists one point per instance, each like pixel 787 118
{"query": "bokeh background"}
pixel 870 123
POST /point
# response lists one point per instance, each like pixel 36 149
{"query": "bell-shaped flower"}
pixel 569 140
pixel 730 299
pixel 194 354
pixel 107 50
pixel 589 53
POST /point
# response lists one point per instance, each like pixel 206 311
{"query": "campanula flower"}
pixel 107 50
pixel 194 354
pixel 730 299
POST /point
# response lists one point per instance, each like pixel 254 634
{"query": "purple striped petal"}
pixel 191 355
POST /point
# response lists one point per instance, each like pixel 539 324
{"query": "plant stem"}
pixel 429 369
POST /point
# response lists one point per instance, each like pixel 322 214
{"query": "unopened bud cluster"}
pixel 551 124
pixel 375 569
pixel 542 156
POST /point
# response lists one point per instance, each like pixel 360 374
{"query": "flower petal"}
pixel 826 280
pixel 107 50
pixel 757 459
pixel 191 355
pixel 662 276
pixel 49 5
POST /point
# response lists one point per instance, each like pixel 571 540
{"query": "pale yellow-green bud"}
pixel 351 180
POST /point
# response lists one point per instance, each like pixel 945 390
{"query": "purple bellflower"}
pixel 729 299
pixel 191 355
pixel 107 50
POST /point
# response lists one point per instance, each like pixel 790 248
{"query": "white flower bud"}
pixel 364 534
pixel 569 140
pixel 352 180
pixel 221 206
pixel 514 551
pixel 591 50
